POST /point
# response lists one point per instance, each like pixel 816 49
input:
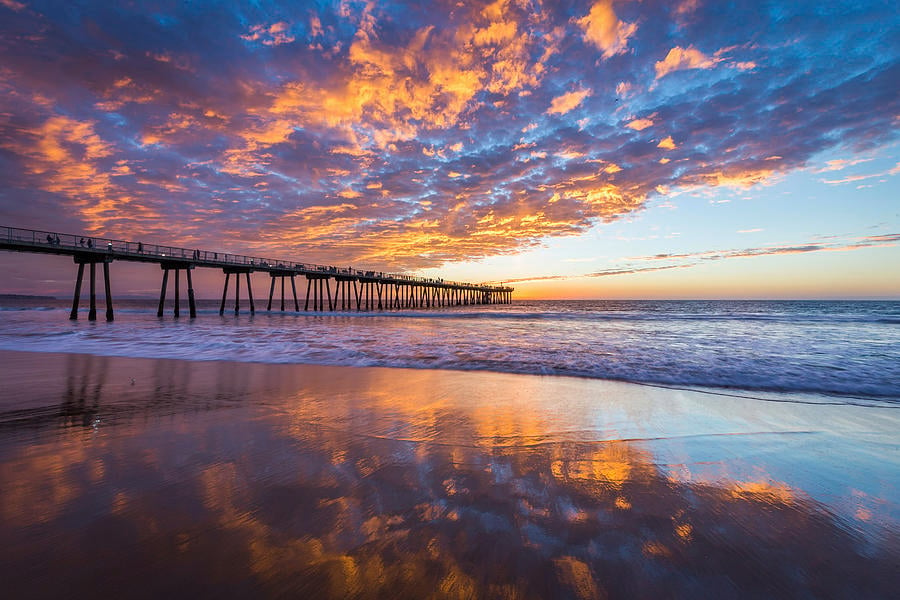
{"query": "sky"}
pixel 608 149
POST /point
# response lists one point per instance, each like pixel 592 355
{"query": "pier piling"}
pixel 176 309
pixel 74 314
pixel 92 314
pixel 192 305
pixel 224 293
pixel 109 306
pixel 177 294
pixel 91 259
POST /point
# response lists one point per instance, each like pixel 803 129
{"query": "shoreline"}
pixel 746 393
pixel 579 409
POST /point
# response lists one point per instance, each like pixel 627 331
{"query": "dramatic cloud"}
pixel 405 136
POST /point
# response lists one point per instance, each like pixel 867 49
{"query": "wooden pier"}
pixel 352 290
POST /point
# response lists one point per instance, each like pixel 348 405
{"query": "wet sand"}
pixel 139 478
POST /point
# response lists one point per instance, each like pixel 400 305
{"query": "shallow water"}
pixel 158 478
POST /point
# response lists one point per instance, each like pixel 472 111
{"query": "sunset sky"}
pixel 626 149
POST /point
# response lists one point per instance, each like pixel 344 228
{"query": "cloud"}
pixel 837 245
pixel 679 59
pixel 604 29
pixel 853 178
pixel 692 259
pixel 841 164
pixel 667 143
pixel 13 5
pixel 567 102
pixel 271 35
pixel 639 124
pixel 686 7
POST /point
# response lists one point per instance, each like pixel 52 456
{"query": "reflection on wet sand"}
pixel 227 480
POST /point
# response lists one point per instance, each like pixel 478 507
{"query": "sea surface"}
pixel 831 348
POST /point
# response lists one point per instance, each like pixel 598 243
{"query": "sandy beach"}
pixel 126 477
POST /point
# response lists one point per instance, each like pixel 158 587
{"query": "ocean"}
pixel 825 348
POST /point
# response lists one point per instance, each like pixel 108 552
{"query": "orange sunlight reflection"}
pixel 335 482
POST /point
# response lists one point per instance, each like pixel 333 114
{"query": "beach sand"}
pixel 146 478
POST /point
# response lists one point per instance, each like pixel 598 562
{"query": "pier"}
pixel 328 288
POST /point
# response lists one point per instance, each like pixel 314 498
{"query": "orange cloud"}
pixel 667 144
pixel 567 102
pixel 639 124
pixel 604 29
pixel 679 59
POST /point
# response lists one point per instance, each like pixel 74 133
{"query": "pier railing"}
pixel 67 243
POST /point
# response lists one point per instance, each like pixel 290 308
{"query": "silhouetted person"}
pixel 90 243
pixel 81 242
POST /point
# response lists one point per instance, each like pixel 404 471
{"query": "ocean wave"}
pixel 852 351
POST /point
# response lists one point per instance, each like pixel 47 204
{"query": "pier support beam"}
pixel 320 290
pixel 328 293
pixel 92 314
pixel 74 314
pixel 342 291
pixel 92 260
pixel 192 304
pixel 237 272
pixel 250 294
pixel 109 306
pixel 224 293
pixel 162 292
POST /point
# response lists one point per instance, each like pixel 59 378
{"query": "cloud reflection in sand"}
pixel 331 482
